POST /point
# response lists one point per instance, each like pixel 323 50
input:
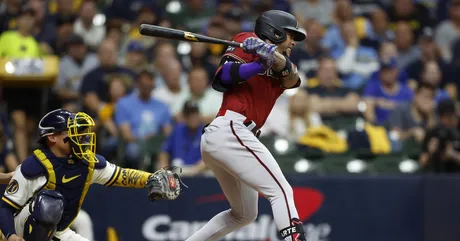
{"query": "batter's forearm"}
pixel 279 62
pixel 279 65
pixel 130 178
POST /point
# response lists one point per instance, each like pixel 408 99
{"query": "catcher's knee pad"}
pixel 46 212
pixel 295 231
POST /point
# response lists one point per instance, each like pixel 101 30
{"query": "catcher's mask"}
pixel 82 138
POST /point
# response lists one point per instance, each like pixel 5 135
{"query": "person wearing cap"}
pixel 64 30
pixel 449 30
pixel 20 43
pixel 182 148
pixel 441 146
pixel 72 67
pixel 233 21
pixel 383 96
pixel 431 53
pixel 135 58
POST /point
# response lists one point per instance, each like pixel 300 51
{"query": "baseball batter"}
pixel 252 79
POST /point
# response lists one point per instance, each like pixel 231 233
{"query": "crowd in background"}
pixel 392 64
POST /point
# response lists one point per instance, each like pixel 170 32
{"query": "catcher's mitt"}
pixel 164 184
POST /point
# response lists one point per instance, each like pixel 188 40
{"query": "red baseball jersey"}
pixel 255 97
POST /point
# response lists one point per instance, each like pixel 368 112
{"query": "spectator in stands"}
pixel 410 120
pixel 207 99
pixel 381 31
pixel 367 7
pixel 182 148
pixel 148 15
pixel 415 14
pixel 343 13
pixel 327 93
pixel 94 85
pixel 64 30
pixel 388 51
pixel 21 44
pixel 63 8
pixel 193 16
pixel 106 117
pixel 172 90
pixel 432 75
pixel 318 10
pixel 198 58
pixel 301 116
pixel 383 96
pixel 44 31
pixel 223 6
pixel 165 53
pixel 8 18
pixel 356 63
pixel 140 117
pixel 430 52
pixel 440 153
pixel 93 33
pixel 449 30
pixel 306 56
pixel 233 20
pixel 404 40
pixel 8 161
pixel 135 58
pixel 216 29
pixel 72 67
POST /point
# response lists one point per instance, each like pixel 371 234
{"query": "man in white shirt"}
pixel 172 90
pixel 85 27
pixel 208 100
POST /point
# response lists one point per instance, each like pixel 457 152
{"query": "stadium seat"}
pixel 412 149
pixel 387 164
pixel 341 123
pixel 335 163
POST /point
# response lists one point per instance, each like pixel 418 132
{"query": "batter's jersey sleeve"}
pixel 21 189
pixel 233 54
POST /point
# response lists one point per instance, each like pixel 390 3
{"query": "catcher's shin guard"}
pixel 46 212
pixel 295 231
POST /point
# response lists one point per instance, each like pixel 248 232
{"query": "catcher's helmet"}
pixel 273 24
pixel 79 131
pixel 53 122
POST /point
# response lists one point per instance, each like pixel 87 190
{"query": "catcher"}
pixel 48 189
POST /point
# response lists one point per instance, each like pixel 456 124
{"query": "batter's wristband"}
pixel 286 70
pixel 235 73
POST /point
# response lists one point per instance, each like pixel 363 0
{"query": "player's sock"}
pixel 220 225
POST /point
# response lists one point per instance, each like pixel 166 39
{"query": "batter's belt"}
pixel 250 124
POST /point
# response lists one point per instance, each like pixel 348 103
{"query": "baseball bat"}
pixel 170 33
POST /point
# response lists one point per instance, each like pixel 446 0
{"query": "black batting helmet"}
pixel 274 24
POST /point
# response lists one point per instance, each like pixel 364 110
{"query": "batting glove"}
pixel 266 53
pixel 250 45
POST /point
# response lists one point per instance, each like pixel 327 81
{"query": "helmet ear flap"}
pixel 266 29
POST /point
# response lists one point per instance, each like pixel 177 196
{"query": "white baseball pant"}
pixel 66 235
pixel 244 167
